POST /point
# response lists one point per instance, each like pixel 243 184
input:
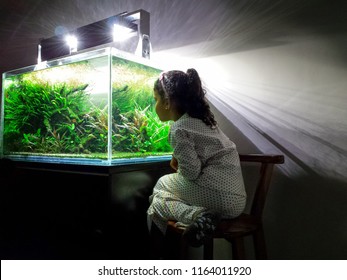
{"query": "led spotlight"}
pixel 72 43
pixel 122 33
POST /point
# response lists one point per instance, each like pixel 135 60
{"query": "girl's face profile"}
pixel 161 107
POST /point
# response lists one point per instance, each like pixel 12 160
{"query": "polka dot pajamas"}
pixel 208 177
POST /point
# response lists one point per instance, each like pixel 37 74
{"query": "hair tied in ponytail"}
pixel 190 76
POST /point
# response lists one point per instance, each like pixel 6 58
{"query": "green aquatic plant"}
pixel 141 131
pixel 131 134
pixel 57 118
pixel 126 97
pixel 30 106
pixel 95 130
pixel 132 85
pixel 136 126
pixel 39 113
pixel 158 132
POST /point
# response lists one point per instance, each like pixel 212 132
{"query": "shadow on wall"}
pixel 305 214
pixel 305 218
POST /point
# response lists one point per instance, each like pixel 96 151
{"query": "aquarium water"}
pixel 94 107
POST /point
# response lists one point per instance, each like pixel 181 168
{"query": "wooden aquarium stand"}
pixel 69 211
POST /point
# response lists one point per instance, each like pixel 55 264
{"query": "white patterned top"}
pixel 206 156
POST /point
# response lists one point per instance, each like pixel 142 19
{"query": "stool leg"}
pixel 238 248
pixel 259 244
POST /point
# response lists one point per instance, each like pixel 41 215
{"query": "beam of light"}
pixel 281 117
pixel 122 33
pixel 285 113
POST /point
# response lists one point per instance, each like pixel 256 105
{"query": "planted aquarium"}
pixel 95 107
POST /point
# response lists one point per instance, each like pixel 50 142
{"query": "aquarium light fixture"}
pixel 112 31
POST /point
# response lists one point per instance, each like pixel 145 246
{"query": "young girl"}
pixel 208 184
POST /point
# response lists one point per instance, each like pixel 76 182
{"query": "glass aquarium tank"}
pixel 95 107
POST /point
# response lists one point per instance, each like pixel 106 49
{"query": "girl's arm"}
pixel 189 165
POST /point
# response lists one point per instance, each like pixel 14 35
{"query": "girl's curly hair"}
pixel 185 92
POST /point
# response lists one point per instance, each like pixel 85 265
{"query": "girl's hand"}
pixel 174 164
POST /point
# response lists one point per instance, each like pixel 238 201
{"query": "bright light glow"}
pixel 72 43
pixel 122 33
pixel 41 65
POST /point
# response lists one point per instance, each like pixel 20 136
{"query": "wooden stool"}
pixel 234 230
